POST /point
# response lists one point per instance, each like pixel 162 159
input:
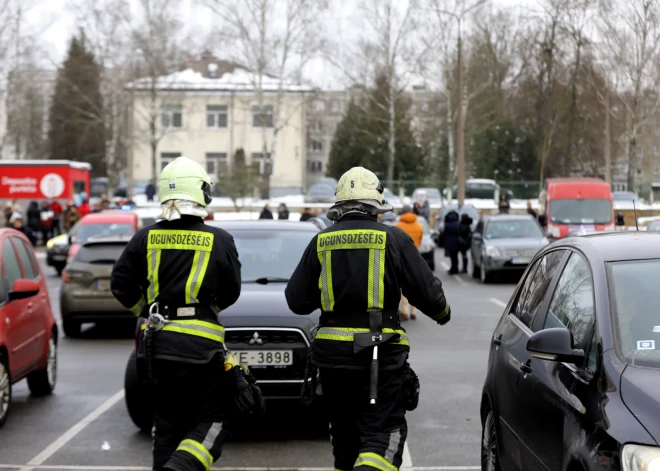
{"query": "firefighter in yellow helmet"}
pixel 179 273
pixel 354 272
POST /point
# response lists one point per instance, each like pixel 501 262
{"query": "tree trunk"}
pixel 153 130
pixel 391 142
pixel 608 137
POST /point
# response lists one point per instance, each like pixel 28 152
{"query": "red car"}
pixel 105 223
pixel 28 332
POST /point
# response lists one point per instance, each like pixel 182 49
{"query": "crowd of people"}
pixel 283 213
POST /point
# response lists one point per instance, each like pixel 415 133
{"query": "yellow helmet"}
pixel 185 179
pixel 361 185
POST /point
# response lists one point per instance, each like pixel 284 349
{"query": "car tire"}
pixel 42 382
pixel 136 396
pixel 71 328
pixel 5 389
pixel 490 458
pixel 476 271
pixel 484 276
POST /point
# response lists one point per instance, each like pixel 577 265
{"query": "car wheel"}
pixel 42 382
pixel 490 460
pixel 5 389
pixel 476 271
pixel 136 396
pixel 484 275
pixel 71 328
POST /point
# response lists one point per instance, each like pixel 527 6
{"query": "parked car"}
pixel 321 221
pixel 28 332
pixel 625 200
pixel 653 227
pixel 504 243
pixel 431 194
pixel 260 329
pixel 57 250
pixel 85 295
pixel 390 197
pixel 320 193
pixel 329 181
pixel 427 248
pixel 439 221
pixel 574 368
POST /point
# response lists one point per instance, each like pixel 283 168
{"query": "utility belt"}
pixel 185 312
pixel 390 320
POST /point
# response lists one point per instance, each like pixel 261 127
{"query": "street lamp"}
pixel 460 144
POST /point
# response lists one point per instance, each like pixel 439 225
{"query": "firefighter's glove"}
pixel 444 319
pixel 243 398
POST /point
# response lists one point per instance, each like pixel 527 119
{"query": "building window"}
pixel 315 146
pixel 317 106
pixel 263 118
pixel 335 106
pixel 316 126
pixel 216 116
pixel 263 165
pixel 171 116
pixel 314 166
pixel 167 158
pixel 216 162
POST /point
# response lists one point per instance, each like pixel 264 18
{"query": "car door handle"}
pixel 498 340
pixel 526 367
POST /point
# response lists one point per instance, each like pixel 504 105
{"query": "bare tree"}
pixel 273 39
pixel 632 33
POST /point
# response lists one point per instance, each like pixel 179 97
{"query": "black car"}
pixel 260 329
pixel 573 380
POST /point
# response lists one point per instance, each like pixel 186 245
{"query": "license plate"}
pixel 103 285
pixel 521 260
pixel 265 357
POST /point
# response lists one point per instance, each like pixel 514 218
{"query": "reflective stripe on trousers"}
pixel 139 306
pixel 198 451
pixel 345 334
pixel 204 329
pixel 374 460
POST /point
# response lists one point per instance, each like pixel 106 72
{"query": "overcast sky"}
pixel 55 23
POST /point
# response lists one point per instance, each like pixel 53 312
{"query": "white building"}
pixel 209 111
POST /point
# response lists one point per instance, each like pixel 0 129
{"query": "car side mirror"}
pixel 23 289
pixel 620 220
pixel 555 344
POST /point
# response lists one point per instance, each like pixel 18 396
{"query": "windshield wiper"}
pixel 268 279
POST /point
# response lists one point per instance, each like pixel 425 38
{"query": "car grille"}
pixel 521 252
pixel 267 337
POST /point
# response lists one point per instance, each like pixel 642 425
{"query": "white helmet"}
pixel 362 186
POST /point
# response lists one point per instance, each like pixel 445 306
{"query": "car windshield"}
pixel 512 229
pixel 85 231
pixel 634 285
pixel 270 254
pixel 586 211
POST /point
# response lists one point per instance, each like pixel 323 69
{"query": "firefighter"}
pixel 355 272
pixel 179 273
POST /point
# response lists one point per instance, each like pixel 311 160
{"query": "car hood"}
pixel 265 306
pixel 519 243
pixel 640 391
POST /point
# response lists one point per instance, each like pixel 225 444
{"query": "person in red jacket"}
pixel 84 208
pixel 57 210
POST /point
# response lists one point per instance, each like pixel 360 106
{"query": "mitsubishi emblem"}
pixel 255 339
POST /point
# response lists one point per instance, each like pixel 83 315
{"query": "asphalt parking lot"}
pixel 84 424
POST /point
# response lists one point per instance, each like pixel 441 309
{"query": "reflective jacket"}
pixel 353 267
pixel 179 264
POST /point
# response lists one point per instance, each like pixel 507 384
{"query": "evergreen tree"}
pixel 240 179
pixel 362 137
pixel 77 129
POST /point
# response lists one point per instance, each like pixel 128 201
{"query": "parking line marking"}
pixel 63 439
pixel 498 302
pixel 406 465
pixel 460 280
pixel 444 265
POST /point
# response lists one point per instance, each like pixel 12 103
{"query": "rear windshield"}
pixel 585 211
pixel 85 231
pixel 513 229
pixel 102 254
pixel 635 300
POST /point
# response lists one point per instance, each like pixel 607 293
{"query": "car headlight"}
pixel 493 251
pixel 640 458
pixel 50 244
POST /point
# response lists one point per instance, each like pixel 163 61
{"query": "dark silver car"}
pixel 505 243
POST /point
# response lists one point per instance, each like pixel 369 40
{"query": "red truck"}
pixel 36 180
pixel 577 204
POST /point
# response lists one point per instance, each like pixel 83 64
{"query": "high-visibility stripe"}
pixel 153 264
pixel 139 306
pixel 197 271
pixel 180 240
pixel 376 282
pixel 212 435
pixel 325 281
pixel 345 334
pixel 198 451
pixel 203 329
pixel 395 444
pixel 443 313
pixel 375 461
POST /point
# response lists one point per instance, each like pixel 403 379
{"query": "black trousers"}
pixel 464 257
pixel 453 256
pixel 191 404
pixel 365 437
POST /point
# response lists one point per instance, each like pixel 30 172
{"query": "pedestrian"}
pixel 56 208
pixel 189 390
pixel 8 211
pixel 306 215
pixel 425 210
pixel 46 221
pixel 150 191
pixel 465 239
pixel 84 208
pixel 452 240
pixel 531 211
pixel 266 213
pixel 16 223
pixel 417 209
pixel 282 212
pixel 97 207
pixel 105 202
pixel 71 216
pixel 503 204
pixel 409 224
pixel 34 217
pixel 354 272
